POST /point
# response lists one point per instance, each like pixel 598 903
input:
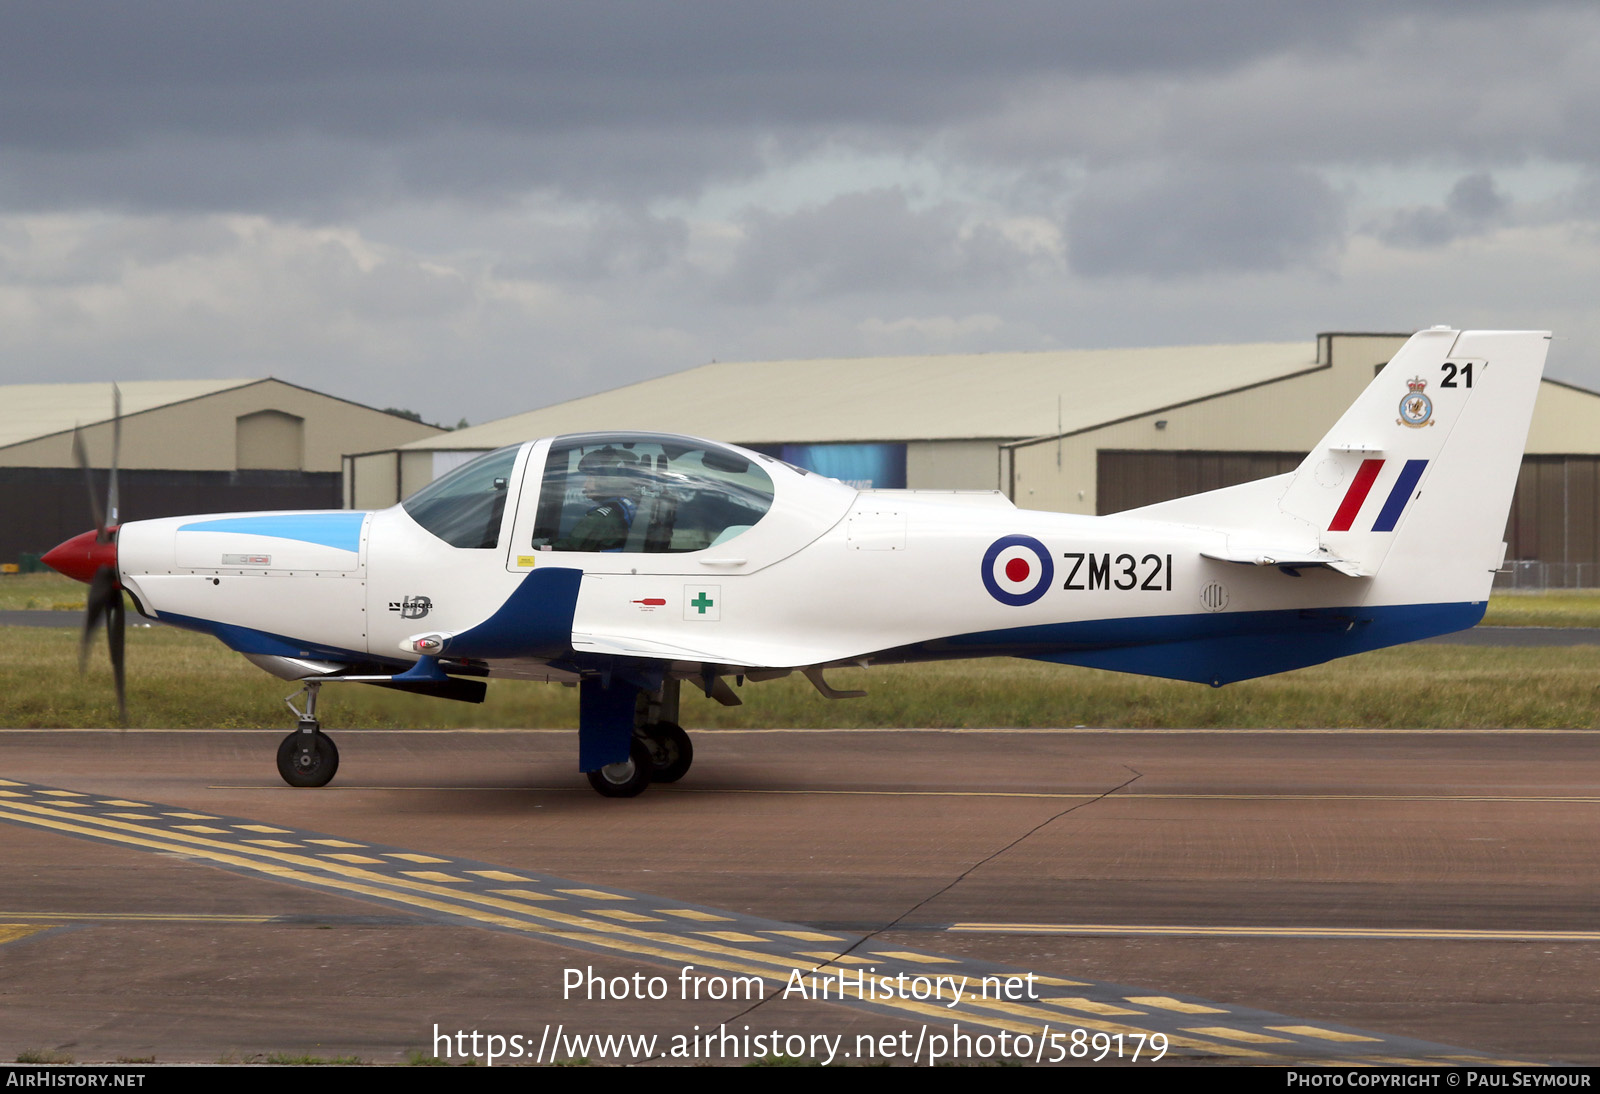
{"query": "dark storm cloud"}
pixel 1185 219
pixel 1473 206
pixel 206 105
pixel 76 72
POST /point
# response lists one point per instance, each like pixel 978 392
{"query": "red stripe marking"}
pixel 1351 505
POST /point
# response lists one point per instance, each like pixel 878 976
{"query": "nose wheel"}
pixel 308 756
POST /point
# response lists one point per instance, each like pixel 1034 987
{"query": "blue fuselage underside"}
pixel 1214 649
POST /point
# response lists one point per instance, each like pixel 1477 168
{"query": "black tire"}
pixel 671 751
pixel 627 779
pixel 303 766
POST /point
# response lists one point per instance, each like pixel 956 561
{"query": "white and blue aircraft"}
pixel 630 564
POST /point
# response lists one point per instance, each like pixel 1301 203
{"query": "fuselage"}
pixel 824 575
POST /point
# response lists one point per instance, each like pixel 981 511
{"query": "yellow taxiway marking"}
pixel 526 894
pixel 1071 1002
pixel 732 936
pixel 271 843
pixel 138 917
pixel 914 958
pixel 624 916
pixel 1321 1034
pixel 264 829
pixel 1166 1002
pixel 497 875
pixel 280 866
pixel 10 932
pixel 707 917
pixel 1419 934
pixel 803 936
pixel 435 875
pixel 594 894
pixel 671 949
pixel 348 858
pixel 1228 1034
pixel 125 803
pixel 552 923
pixel 411 856
pixel 191 816
pixel 334 843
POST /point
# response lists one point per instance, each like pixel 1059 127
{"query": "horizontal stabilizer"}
pixel 1287 559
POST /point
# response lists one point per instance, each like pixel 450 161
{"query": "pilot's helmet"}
pixel 609 472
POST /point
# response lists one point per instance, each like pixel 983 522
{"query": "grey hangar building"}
pixel 1077 431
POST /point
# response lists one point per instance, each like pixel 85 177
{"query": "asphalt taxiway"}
pixel 1248 896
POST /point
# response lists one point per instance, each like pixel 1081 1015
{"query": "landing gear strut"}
pixel 611 713
pixel 307 756
pixel 671 751
pixel 655 722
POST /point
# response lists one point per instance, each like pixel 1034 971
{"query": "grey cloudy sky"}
pixel 478 208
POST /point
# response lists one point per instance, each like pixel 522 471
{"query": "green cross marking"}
pixel 701 601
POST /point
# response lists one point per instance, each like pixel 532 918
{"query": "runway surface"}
pixel 1249 896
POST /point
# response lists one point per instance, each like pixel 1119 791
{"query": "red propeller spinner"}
pixel 82 556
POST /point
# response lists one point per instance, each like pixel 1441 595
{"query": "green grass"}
pixel 41 593
pixel 1555 608
pixel 286 1059
pixel 182 680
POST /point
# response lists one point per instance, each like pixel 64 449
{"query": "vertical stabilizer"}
pixel 1414 482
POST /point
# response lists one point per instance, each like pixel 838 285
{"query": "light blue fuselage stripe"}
pixel 1396 502
pixel 338 530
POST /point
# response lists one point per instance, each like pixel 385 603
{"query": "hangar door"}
pixel 1127 480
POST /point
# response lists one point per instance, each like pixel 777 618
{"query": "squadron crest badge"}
pixel 1416 409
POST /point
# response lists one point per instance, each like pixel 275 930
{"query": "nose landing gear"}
pixel 307 756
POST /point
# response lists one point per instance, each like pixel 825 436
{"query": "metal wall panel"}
pixel 1127 480
pixel 42 506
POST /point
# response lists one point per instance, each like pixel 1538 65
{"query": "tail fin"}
pixel 1415 480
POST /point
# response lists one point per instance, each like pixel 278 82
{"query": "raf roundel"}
pixel 1017 570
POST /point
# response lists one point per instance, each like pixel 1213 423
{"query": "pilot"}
pixel 610 480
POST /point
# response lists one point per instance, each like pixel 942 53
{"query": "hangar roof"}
pixel 28 411
pixel 960 396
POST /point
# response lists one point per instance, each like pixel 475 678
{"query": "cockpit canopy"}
pixel 464 507
pixel 639 493
pixel 602 492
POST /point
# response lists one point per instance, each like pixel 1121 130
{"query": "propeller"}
pixel 92 558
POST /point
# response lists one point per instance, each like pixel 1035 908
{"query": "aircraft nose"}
pixel 82 556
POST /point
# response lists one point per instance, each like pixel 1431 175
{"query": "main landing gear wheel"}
pixel 308 759
pixel 670 750
pixel 628 778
